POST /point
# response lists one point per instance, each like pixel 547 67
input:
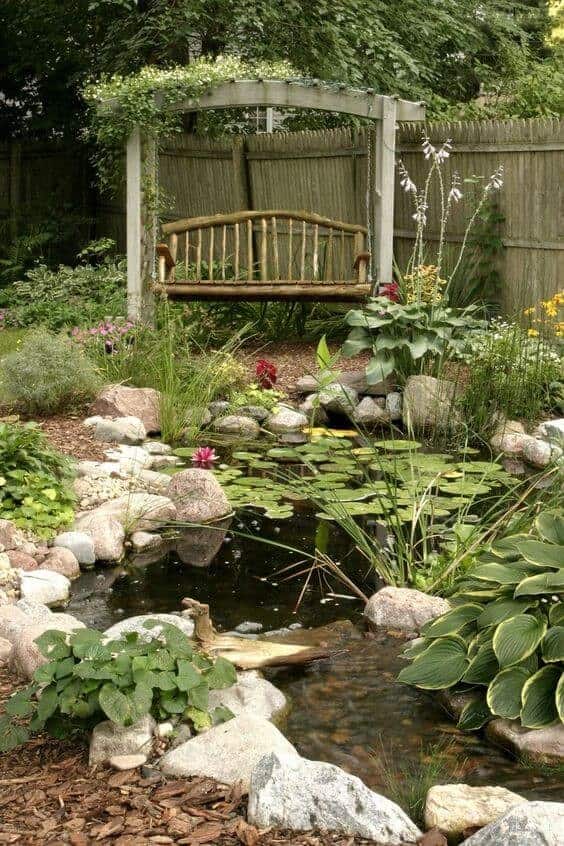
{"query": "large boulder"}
pixel 122 401
pixel 44 586
pixel 251 694
pixel 137 512
pixel 508 437
pixel 137 624
pixel 107 534
pixel 26 657
pixel 117 430
pixel 430 403
pixel 63 561
pixel 404 609
pixel 294 793
pixel 237 424
pixel 109 740
pixel 369 412
pixel 454 808
pixel 286 420
pixel 79 543
pixel 198 496
pixel 529 824
pixel 12 620
pixel 228 752
pixel 19 560
pixel 257 412
pixel 5 652
pixel 540 453
pixel 339 399
pixel 542 746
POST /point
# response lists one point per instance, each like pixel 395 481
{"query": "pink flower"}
pixel 266 373
pixel 204 456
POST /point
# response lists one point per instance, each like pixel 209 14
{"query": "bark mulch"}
pixel 67 434
pixel 48 795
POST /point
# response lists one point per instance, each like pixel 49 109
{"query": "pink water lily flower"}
pixel 204 456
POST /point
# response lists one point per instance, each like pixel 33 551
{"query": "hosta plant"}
pixel 504 637
pixel 88 679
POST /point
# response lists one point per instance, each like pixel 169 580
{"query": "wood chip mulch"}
pixel 48 796
pixel 67 434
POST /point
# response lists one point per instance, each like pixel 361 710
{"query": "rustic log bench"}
pixel 264 255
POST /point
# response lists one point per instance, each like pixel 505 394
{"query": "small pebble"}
pixel 127 762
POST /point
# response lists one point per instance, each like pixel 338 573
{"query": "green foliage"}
pixel 68 296
pixel 505 633
pixel 253 394
pixel 35 487
pixel 87 679
pixel 48 373
pixel 407 339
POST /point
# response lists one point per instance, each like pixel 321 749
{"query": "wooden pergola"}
pixel 292 94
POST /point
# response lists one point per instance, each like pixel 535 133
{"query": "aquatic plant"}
pixel 204 456
pixel 504 637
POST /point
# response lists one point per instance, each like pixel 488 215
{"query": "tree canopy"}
pixel 438 50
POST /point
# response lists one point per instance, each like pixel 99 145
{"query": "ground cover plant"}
pixel 88 678
pixel 35 481
pixel 504 637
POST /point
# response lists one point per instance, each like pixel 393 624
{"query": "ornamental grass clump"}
pixel 47 374
pixel 503 640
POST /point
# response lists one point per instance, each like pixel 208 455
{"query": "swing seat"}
pixel 264 255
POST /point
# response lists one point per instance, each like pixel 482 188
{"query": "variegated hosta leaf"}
pixel 442 665
pixel 517 638
pixel 504 692
pixel 551 526
pixel 560 697
pixel 474 715
pixel 483 666
pixel 556 614
pixel 544 583
pixel 452 621
pixel 553 645
pixel 499 610
pixel 539 698
pixel 546 554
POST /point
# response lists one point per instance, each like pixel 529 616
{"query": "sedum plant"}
pixel 87 679
pixel 504 637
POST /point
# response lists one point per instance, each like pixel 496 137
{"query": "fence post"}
pixel 141 232
pixel 383 222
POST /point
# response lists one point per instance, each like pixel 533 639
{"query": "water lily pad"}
pixel 398 446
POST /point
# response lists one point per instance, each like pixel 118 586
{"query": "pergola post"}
pixel 385 156
pixel 141 232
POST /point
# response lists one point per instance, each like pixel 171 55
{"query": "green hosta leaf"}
pixel 483 666
pixel 502 609
pixel 559 698
pixel 553 645
pixel 474 715
pixel 47 704
pixel 539 698
pixel 547 554
pixel 544 583
pixel 91 670
pixel 125 708
pixel 517 638
pixel 504 692
pixel 452 621
pixel 198 696
pixel 551 526
pixel 441 665
pixel 222 674
pixel 556 614
pixel 53 644
pixel 11 734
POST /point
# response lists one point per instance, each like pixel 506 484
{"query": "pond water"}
pixel 347 710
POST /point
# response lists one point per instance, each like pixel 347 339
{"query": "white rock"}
pixel 369 412
pixel 145 541
pixel 429 402
pixel 164 729
pixel 455 807
pixel 5 651
pixel 109 740
pixel 286 420
pixel 161 461
pixel 118 430
pixel 37 612
pixel 157 448
pixel 131 460
pixel 136 512
pixel 539 453
pixel 530 824
pixel 340 399
pixel 26 657
pixel 127 762
pixel 5 561
pixel 553 429
pixel 137 624
pixel 237 424
pixel 292 792
pixel 403 609
pixel 154 482
pixel 251 694
pixel 228 752
pixel 44 586
pixel 394 404
pixel 107 533
pixel 79 543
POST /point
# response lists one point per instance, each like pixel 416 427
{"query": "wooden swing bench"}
pixel 264 255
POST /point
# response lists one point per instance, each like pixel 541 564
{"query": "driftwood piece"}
pixel 247 654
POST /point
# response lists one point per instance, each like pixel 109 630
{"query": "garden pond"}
pixel 348 710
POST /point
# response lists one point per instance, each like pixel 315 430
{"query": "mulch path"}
pixel 48 795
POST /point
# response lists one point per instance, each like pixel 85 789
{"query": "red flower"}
pixel 265 372
pixel 204 456
pixel 391 291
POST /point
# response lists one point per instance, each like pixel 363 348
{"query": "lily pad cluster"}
pixel 504 638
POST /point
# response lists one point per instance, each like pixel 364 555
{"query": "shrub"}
pixel 86 680
pixel 47 374
pixel 504 637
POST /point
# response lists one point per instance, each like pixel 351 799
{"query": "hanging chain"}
pixel 368 199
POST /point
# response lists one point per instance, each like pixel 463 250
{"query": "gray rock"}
pixel 145 541
pixel 403 609
pixel 251 694
pixel 44 586
pixel 127 762
pixel 286 420
pixel 123 401
pixel 5 652
pixel 553 429
pixel 219 408
pixel 247 627
pixel 313 410
pixel 237 424
pixel 198 546
pixel 339 399
pixel 198 496
pixel 137 624
pixel 109 740
pixel 79 543
pixel 118 430
pixel 430 402
pixel 508 437
pixel 539 453
pixel 161 461
pixel 394 404
pixel 63 561
pixel 454 808
pixel 157 448
pixel 530 824
pixel 37 612
pixel 228 752
pixel 257 412
pixel 355 379
pixel 541 746
pixel 307 385
pixel 137 512
pixel 154 482
pixel 182 734
pixel 26 657
pixel 294 793
pixel 107 533
pixel 369 413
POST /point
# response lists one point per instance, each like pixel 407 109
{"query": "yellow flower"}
pixel 533 333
